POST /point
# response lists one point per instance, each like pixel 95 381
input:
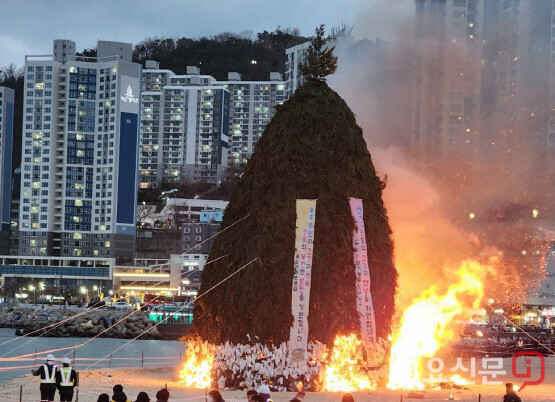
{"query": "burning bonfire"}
pixel 197 369
pixel 342 368
pixel 428 325
pixel 345 368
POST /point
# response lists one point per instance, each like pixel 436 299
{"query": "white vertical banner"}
pixel 364 297
pixel 302 276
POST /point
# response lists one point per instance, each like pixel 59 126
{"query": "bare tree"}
pixel 246 34
pixel 174 214
pixel 223 37
pixel 11 71
pixel 144 212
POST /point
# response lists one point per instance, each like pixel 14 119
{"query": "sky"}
pixel 29 27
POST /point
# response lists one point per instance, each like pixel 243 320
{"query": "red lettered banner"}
pixel 302 277
pixel 364 297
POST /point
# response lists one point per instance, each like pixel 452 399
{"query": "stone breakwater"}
pixel 89 324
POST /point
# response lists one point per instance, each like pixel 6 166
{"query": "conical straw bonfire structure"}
pixel 312 149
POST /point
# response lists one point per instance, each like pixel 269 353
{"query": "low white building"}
pixel 178 210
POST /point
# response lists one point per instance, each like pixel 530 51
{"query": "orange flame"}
pixel 428 324
pixel 344 370
pixel 198 365
pixel 458 380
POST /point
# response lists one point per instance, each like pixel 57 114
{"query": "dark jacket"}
pixel 40 371
pixel 511 397
pixel 72 377
pixel 120 397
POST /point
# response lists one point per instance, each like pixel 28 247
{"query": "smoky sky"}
pixel 29 27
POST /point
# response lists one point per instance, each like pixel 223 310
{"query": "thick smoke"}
pixel 487 204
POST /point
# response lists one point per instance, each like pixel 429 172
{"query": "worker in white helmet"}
pixel 47 374
pixel 66 381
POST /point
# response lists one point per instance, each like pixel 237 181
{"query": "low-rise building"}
pixel 153 243
pixel 180 210
pixel 177 276
pixel 62 272
pixel 163 277
pixel 199 236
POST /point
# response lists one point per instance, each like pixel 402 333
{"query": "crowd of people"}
pixel 119 396
pixel 66 380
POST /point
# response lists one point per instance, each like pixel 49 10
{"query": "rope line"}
pixel 159 267
pixel 55 324
pixel 550 351
pixel 84 343
pixel 154 326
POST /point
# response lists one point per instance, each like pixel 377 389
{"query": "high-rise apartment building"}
pixel 7 104
pixel 518 83
pixel 252 107
pixel 295 55
pixel 484 79
pixel 193 126
pixel 184 128
pixel 79 152
pixel 447 65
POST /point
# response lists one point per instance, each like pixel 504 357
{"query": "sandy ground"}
pixel 150 380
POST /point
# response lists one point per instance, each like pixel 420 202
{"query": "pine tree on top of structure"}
pixel 312 149
pixel 320 61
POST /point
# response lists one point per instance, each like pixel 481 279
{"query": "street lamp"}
pixel 41 284
pixel 85 291
pixel 31 287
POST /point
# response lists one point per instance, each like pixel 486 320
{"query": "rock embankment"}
pixel 58 323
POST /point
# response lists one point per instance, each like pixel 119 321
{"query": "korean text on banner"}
pixel 302 276
pixel 364 297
